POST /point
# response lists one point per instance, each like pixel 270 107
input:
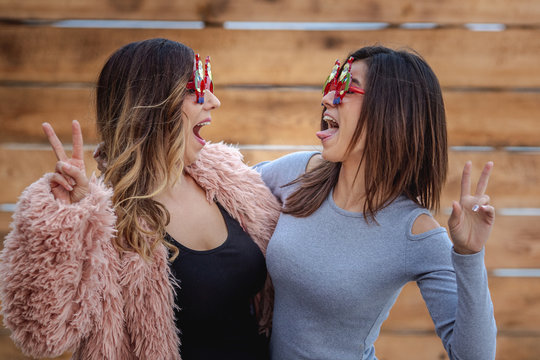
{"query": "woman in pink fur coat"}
pixel 162 257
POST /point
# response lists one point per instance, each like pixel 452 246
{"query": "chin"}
pixel 331 156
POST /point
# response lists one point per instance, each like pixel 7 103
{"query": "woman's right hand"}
pixel 69 183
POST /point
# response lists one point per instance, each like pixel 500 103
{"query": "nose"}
pixel 211 101
pixel 328 99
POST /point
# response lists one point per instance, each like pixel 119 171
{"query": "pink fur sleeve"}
pixel 148 290
pixel 53 267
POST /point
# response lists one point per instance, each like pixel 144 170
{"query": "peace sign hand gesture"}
pixel 472 218
pixel 69 182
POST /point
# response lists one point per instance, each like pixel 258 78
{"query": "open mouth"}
pixel 197 128
pixel 330 122
pixel 332 129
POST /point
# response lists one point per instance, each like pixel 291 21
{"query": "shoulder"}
pixel 315 160
pixel 298 159
pixel 219 153
pixel 220 168
pixel 217 160
pixel 424 223
pixel 417 221
pixel 288 167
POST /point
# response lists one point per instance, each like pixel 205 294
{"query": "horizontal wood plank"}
pixel 5 220
pixel 514 243
pixel 21 118
pixel 20 168
pixel 513 183
pixel 8 350
pixel 450 11
pixel 391 346
pixel 508 294
pixel 273 116
pixel 484 59
pixel 409 322
pixel 493 118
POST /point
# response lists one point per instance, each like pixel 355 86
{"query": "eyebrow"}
pixel 354 80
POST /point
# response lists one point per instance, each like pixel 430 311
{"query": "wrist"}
pixel 465 251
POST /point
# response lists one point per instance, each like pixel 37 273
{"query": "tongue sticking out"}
pixel 325 134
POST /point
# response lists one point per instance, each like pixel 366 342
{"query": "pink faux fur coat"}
pixel 64 287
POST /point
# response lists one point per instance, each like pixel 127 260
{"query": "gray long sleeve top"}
pixel 336 278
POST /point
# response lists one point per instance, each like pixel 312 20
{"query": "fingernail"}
pixel 475 208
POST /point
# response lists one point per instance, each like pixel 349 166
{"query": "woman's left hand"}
pixel 472 218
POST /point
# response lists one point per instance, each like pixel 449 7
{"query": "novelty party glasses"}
pixel 341 84
pixel 202 78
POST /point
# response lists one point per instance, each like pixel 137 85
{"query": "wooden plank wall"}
pixel 269 81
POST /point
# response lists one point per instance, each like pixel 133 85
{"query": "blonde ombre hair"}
pixel 139 98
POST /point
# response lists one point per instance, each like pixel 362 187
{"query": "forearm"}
pixel 474 334
pixel 51 267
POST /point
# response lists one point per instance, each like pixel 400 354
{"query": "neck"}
pixel 184 183
pixel 349 192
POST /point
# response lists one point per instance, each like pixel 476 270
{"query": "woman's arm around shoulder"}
pixel 285 169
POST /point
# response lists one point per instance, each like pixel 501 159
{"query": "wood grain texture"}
pixel 20 168
pixel 449 11
pixel 514 242
pixel 273 116
pixel 8 350
pixel 508 294
pixel 409 324
pixel 514 181
pixel 484 59
pixel 24 109
pixel 46 74
pixel 5 220
pixel 391 346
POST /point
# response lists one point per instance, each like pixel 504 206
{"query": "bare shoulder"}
pixel 314 161
pixel 424 223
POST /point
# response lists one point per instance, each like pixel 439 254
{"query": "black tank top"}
pixel 217 286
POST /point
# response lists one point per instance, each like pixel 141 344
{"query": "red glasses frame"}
pixel 341 84
pixel 201 79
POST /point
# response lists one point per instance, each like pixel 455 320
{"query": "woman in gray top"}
pixel 356 225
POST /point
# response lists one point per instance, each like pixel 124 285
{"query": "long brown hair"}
pixel 139 97
pixel 404 121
